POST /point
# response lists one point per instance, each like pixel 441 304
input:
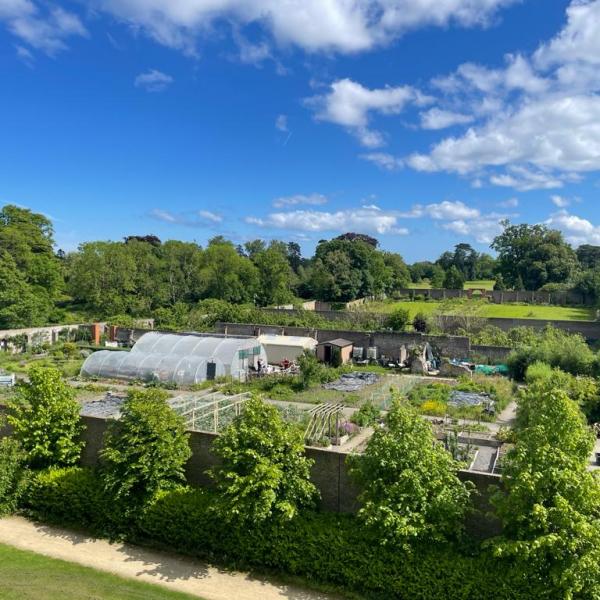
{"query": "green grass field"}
pixel 29 576
pixel 489 310
pixel 484 284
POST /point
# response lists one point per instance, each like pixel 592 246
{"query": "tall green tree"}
pixel 264 473
pixel 45 419
pixel 533 255
pixel 410 487
pixel 454 279
pixel 144 451
pixel 275 274
pixel 551 504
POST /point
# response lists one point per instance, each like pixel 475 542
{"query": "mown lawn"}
pixel 484 284
pixel 508 311
pixel 30 576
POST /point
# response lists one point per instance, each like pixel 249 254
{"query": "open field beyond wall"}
pixel 485 310
pixel 483 284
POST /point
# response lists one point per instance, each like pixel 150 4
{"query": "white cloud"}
pixel 384 161
pixel 344 26
pixel 435 118
pixel 350 105
pixel 369 219
pixel 447 210
pixel 44 30
pixel 298 199
pixel 210 216
pixel 524 180
pixel 577 230
pixel 483 229
pixel 153 81
pixel 200 218
pixel 560 201
pixel 281 123
pixel 510 203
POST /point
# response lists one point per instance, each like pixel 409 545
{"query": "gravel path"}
pixel 176 573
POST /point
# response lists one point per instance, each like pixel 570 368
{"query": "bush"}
pixel 326 548
pixel 264 473
pixel 421 323
pixel 13 475
pixel 398 320
pixel 45 419
pixel 145 451
pixel 367 415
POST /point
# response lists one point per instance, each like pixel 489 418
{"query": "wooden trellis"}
pixel 324 420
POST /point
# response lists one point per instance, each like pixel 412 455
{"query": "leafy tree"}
pixel 551 505
pixel 45 418
pixel 410 486
pixel 13 474
pixel 588 256
pixel 398 275
pixel 533 255
pixel 588 284
pixel 264 473
pixel 499 284
pixel 310 369
pixel 276 276
pixel 145 450
pixel 398 320
pixel 454 279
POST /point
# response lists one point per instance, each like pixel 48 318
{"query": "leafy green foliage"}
pixel 398 320
pixel 421 323
pixel 551 509
pixel 366 416
pixel 409 482
pixel 555 347
pixel 264 473
pixel 13 474
pixel 145 451
pixel 530 256
pixel 328 548
pixel 310 369
pixel 45 417
pixel 454 279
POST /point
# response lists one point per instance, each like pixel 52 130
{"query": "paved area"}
pixel 169 570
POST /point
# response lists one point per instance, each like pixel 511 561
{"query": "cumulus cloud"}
pixel 436 118
pixel 344 26
pixel 482 229
pixel 369 219
pixel 383 160
pixel 524 179
pixel 281 123
pixel 298 199
pixel 451 210
pixel 153 81
pixel 577 230
pixel 42 27
pixel 350 104
pixel 560 201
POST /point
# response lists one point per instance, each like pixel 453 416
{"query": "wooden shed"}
pixel 335 352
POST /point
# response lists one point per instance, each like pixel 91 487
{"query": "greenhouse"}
pixel 178 359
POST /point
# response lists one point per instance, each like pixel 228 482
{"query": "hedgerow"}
pixel 324 548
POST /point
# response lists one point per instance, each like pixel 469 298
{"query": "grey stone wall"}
pixel 492 354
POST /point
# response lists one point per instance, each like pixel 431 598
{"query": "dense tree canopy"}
pixel 531 256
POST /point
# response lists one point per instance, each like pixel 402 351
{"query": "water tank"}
pixel 372 353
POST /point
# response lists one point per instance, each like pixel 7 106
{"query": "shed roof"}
pixel 287 340
pixel 339 342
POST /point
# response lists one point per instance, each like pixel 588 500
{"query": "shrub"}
pixel 421 323
pixel 264 473
pixel 13 475
pixel 410 489
pixel 367 415
pixel 310 369
pixel 45 418
pixel 398 320
pixel 145 451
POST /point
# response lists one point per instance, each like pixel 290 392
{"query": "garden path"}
pixel 169 570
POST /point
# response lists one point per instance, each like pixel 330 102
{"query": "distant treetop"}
pixel 360 237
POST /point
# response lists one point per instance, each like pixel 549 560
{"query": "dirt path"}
pixel 176 573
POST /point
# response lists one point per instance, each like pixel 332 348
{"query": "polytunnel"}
pixel 179 359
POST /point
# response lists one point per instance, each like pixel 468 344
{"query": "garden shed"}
pixel 335 352
pixel 281 347
pixel 180 359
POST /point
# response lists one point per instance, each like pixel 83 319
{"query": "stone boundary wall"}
pixel 40 335
pixel 562 298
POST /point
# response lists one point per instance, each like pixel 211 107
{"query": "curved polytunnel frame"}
pixel 179 359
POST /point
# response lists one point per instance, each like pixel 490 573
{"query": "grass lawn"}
pixel 30 576
pixel 508 311
pixel 484 284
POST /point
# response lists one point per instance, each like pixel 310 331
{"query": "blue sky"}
pixel 422 122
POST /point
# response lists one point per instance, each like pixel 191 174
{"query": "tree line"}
pixel 140 274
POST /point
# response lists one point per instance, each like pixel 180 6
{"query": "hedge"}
pixel 324 548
